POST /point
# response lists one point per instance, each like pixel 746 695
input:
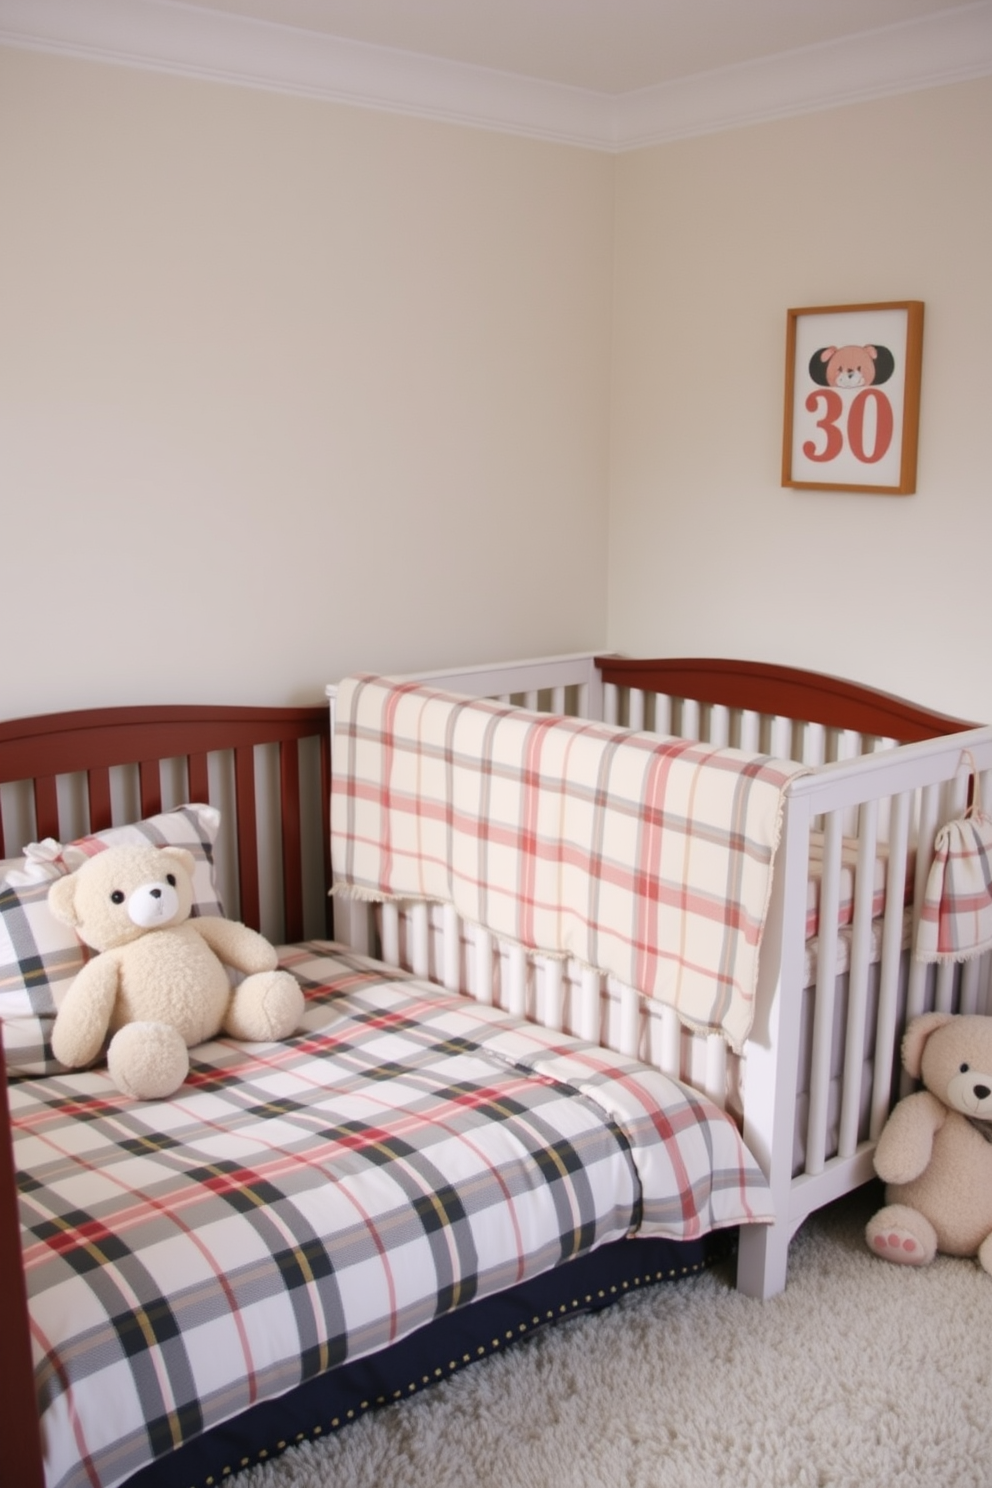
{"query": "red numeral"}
pixel 833 410
pixel 856 426
pixel 828 423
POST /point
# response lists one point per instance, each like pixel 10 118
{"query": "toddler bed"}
pixel 311 1228
pixel 195 1230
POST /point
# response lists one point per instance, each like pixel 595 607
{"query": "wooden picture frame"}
pixel 852 397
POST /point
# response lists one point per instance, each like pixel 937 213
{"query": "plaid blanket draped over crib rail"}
pixel 649 859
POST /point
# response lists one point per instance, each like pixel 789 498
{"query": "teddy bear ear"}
pixel 62 899
pixel 915 1037
pixel 183 856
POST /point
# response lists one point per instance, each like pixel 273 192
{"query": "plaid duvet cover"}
pixel 304 1203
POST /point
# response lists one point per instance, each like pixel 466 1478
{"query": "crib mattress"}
pixel 301 1204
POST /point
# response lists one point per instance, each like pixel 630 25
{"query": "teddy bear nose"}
pixel 982 1091
pixel 155 893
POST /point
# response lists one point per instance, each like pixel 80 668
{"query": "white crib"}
pixel 820 1069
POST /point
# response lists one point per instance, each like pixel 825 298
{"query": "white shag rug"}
pixel 860 1373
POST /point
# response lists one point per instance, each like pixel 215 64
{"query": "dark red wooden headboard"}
pixel 91 744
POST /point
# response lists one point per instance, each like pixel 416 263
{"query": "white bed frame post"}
pixel 771 1077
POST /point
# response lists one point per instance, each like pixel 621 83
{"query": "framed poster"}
pixel 852 397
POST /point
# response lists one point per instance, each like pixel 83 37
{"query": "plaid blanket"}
pixel 304 1203
pixel 647 858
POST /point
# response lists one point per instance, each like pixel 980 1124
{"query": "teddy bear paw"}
pixel 902 1235
pixel 266 1006
pixel 147 1060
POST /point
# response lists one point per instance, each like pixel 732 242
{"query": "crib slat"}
pixel 635 709
pixel 826 967
pixel 482 989
pixel 849 746
pixel 971 984
pixel 944 998
pixel 715 1084
pixel 926 830
pixel 419 949
pixel 781 737
pixel 886 1020
pixel 451 948
pixel 662 713
pixel 750 730
pixel 670 1053
pixel 719 731
pixel 984 1003
pixel 589 1012
pixel 857 1003
pixel 198 777
pixel 554 992
pixel 517 975
pixel 814 744
pixel 690 719
pixel 611 702
pixel 389 933
pixel 630 1022
pixel 954 804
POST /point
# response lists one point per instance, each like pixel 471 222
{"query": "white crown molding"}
pixel 215 46
pixel 952 46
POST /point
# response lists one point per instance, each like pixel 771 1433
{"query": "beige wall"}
pixel 288 389
pixel 716 238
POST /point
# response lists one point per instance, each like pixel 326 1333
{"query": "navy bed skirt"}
pixel 433 1353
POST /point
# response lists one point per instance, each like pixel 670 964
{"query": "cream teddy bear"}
pixel 935 1150
pixel 159 984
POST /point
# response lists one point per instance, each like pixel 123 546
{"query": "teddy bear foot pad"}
pixel 899 1234
pixel 899 1247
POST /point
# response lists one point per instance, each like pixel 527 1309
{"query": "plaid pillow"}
pixel 39 956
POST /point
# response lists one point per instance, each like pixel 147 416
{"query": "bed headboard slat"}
pixel 244 785
pixel 100 803
pixel 46 806
pixel 292 842
pixel 150 787
pixel 198 776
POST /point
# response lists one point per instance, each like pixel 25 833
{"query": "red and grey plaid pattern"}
pixel 647 858
pixel 956 915
pixel 40 956
pixel 303 1203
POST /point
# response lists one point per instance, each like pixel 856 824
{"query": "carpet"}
pixel 860 1373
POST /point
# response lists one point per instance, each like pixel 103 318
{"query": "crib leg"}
pixel 762 1260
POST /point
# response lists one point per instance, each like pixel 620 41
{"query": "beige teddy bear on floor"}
pixel 935 1151
pixel 159 984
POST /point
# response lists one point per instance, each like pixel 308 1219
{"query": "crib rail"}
pixel 763 694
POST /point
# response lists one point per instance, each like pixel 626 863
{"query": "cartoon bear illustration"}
pixel 851 366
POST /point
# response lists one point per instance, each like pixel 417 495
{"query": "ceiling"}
pixel 607 46
pixel 606 74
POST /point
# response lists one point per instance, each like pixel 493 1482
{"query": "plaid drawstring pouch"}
pixel 956 917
